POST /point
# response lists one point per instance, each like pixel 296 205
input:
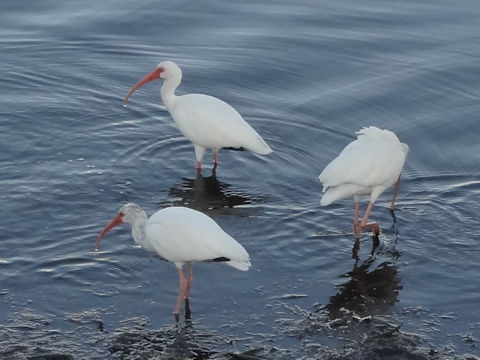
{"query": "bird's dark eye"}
pixel 161 69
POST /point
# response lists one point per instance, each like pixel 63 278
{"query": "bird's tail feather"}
pixel 258 146
pixel 335 193
pixel 240 265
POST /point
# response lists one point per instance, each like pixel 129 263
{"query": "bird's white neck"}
pixel 138 233
pixel 167 92
pixel 138 228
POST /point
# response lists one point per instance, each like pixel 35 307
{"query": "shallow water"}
pixel 306 75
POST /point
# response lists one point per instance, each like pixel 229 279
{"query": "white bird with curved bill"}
pixel 208 122
pixel 180 235
pixel 367 166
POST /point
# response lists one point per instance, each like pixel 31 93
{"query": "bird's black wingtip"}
pixel 241 148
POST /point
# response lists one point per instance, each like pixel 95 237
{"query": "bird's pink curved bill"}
pixel 154 75
pixel 117 220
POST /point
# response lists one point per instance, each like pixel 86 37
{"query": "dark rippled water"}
pixel 306 75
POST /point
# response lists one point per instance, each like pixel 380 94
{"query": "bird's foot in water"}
pixel 358 227
pixel 374 227
pixel 177 317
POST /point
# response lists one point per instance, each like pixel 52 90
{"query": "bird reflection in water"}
pixel 208 194
pixel 172 342
pixel 367 292
pixel 394 223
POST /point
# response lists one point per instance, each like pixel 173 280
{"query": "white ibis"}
pixel 181 235
pixel 208 122
pixel 367 166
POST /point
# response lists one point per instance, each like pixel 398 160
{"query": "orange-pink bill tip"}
pixel 154 75
pixel 117 220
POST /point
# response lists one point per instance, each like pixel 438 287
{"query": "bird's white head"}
pixel 129 213
pixel 164 70
pixel 169 70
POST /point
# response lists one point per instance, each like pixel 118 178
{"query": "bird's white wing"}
pixel 181 234
pixel 211 122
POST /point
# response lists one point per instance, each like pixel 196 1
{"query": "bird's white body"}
pixel 367 166
pixel 208 122
pixel 180 235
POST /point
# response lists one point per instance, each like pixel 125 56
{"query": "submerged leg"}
pixel 188 313
pixel 375 243
pixel 395 192
pixel 181 293
pixel 356 247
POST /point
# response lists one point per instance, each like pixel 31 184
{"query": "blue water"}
pixel 306 75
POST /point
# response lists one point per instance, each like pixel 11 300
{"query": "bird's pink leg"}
pixel 367 214
pixel 374 225
pixel 199 165
pixel 215 157
pixel 395 192
pixel 181 293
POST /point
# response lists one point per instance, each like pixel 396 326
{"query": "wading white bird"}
pixel 181 235
pixel 208 122
pixel 367 166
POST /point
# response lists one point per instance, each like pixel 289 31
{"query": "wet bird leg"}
pixel 181 293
